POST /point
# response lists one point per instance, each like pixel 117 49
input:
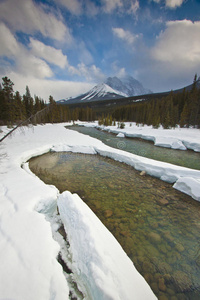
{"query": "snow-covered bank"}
pixel 178 138
pixel 97 255
pixel 29 268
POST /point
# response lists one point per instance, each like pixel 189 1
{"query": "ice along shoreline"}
pixel 177 138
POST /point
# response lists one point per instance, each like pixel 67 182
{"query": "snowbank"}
pixel 120 134
pixel 178 138
pixel 98 258
pixel 189 186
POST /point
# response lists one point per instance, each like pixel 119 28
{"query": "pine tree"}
pixel 19 110
pixel 156 116
pixel 28 103
pixel 194 103
pixel 8 99
pixel 53 110
pixel 185 116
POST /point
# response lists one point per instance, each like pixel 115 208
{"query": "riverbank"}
pixel 176 138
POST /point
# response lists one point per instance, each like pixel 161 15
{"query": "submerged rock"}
pixel 143 173
pixel 182 281
pixel 108 213
pixel 154 237
pixel 161 284
pixel 163 202
pixel 164 267
pixel 179 247
pixel 168 236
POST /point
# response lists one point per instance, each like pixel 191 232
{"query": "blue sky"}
pixel 65 47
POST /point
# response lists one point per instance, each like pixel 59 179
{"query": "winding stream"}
pixel 156 225
pixel 189 158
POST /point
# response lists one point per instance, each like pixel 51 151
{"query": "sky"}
pixel 65 47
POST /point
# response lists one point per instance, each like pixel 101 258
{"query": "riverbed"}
pixel 157 226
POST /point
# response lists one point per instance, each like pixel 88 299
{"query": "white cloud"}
pixel 110 5
pixel 125 35
pixel 29 64
pixel 174 3
pixel 174 59
pixel 170 3
pixel 119 72
pixel 179 43
pixel 91 73
pixel 134 6
pixel 48 53
pixel 74 6
pixel 29 17
pixel 24 62
pixel 43 88
pixel 9 45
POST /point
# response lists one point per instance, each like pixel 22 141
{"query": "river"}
pixel 157 226
pixel 187 158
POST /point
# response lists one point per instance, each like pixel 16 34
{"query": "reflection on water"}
pixel 189 158
pixel 156 225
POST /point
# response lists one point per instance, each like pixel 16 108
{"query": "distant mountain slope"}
pixel 127 85
pixel 189 87
pixel 98 92
pixel 112 88
pixel 102 91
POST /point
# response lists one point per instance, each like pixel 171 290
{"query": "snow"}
pixel 101 90
pixel 128 85
pixel 97 256
pixel 189 186
pixel 29 268
pixel 121 135
pixel 178 138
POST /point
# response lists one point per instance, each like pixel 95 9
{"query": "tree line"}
pixel 182 108
pixel 16 109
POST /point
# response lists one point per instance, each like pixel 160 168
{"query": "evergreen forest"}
pixel 17 109
pixel 175 108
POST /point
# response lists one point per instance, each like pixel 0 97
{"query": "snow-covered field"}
pixel 29 268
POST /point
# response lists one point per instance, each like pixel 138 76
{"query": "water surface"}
pixel 156 225
pixel 187 158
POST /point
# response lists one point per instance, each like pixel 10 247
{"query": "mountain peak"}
pixel 111 88
pixel 102 90
pixel 128 85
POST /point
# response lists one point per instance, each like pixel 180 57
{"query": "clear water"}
pixel 156 225
pixel 189 158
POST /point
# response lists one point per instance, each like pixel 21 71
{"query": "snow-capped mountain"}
pixel 127 85
pixel 102 90
pixel 112 88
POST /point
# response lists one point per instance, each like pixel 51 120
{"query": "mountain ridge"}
pixel 111 88
pixel 128 85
